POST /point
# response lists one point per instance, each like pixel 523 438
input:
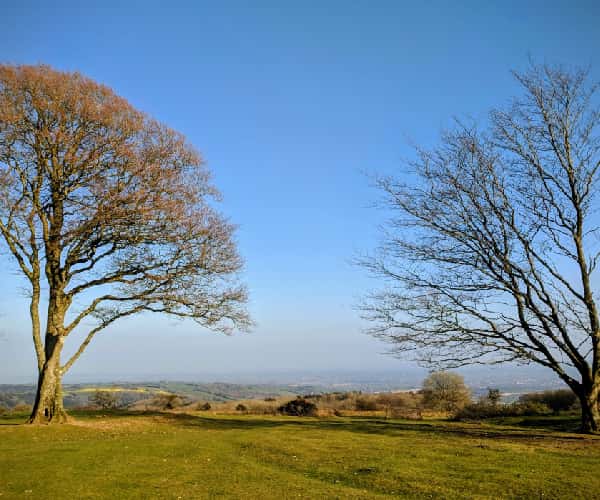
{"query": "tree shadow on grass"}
pixel 564 424
pixel 539 428
pixel 532 430
pixel 14 419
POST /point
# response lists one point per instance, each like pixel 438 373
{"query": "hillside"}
pixel 76 395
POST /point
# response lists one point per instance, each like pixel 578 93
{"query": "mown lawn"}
pixel 214 456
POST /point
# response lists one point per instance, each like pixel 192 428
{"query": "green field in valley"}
pixel 215 456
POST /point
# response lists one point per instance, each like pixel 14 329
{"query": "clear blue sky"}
pixel 290 103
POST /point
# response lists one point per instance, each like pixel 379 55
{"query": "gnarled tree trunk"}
pixel 590 412
pixel 48 406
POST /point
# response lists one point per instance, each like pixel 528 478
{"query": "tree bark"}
pixel 35 325
pixel 48 406
pixel 590 413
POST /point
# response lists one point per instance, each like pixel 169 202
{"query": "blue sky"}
pixel 292 105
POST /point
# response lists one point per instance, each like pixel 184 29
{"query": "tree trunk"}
pixel 48 406
pixel 590 413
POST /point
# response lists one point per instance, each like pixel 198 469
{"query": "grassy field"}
pixel 210 456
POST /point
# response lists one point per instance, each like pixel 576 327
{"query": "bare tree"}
pixel 445 391
pixel 491 253
pixel 107 213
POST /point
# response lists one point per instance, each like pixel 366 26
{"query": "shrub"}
pixel 445 391
pixel 103 399
pixel 127 399
pixel 342 396
pixel 365 404
pixel 530 409
pixel 398 400
pixel 241 407
pixel 479 410
pixel 560 400
pixel 493 396
pixel 270 399
pixel 557 401
pixel 22 408
pixel 485 409
pixel 316 397
pixel 205 406
pixel 3 410
pixel 169 401
pixel 298 407
pixel 531 397
pixel 262 408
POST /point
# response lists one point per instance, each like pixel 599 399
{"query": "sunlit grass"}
pixel 206 456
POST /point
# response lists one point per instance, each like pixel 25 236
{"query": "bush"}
pixel 479 410
pixel 298 407
pixel 493 396
pixel 342 396
pixel 365 404
pixel 560 400
pixel 103 399
pixel 127 399
pixel 3 410
pixel 485 409
pixel 530 409
pixel 241 407
pixel 397 402
pixel 169 401
pixel 205 406
pixel 392 403
pixel 22 408
pixel 557 401
pixel 445 391
pixel 316 397
pixel 262 408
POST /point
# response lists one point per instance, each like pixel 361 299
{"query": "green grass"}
pixel 214 456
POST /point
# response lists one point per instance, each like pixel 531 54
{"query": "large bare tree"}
pixel 491 252
pixel 107 213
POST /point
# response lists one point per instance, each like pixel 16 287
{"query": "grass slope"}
pixel 210 456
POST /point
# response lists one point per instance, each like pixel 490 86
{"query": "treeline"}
pixel 443 394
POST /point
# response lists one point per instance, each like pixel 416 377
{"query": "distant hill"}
pixel 510 379
pixel 78 394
